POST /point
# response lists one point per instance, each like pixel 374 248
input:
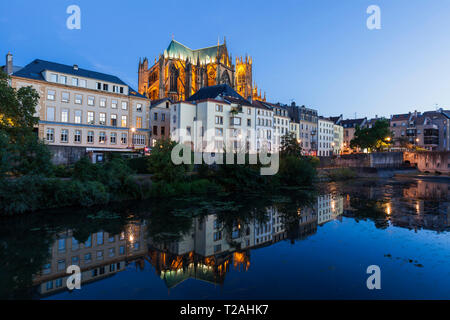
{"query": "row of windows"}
pixel 90 118
pixel 78 99
pixel 264 122
pixel 77 136
pixel 163 116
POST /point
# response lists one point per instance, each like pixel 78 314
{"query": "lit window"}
pixel 102 137
pixel 114 120
pixel 64 115
pixel 124 121
pixel 77 116
pixel 139 122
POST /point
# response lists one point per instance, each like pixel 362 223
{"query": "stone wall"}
pixel 64 155
pixel 431 161
pixel 364 160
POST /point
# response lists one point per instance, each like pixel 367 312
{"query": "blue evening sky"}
pixel 317 52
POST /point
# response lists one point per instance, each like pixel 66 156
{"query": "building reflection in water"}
pixel 416 205
pixel 213 245
pixel 101 255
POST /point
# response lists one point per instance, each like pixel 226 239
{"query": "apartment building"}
pixel 281 122
pixel 306 119
pixel 349 126
pixel 264 125
pixel 429 130
pixel 159 120
pixel 84 109
pixel 213 118
pixel 325 137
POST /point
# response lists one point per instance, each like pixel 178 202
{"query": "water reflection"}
pixel 197 239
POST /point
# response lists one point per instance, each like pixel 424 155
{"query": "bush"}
pixel 139 165
pixel 161 166
pixel 62 171
pixel 296 172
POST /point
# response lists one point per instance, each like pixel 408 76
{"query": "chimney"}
pixel 75 67
pixel 9 64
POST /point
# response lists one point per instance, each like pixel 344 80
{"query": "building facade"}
pixel 159 120
pixel 326 137
pixel 80 108
pixel 213 119
pixel 180 72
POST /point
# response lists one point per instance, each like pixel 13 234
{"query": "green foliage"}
pixel 290 146
pixel 21 151
pixel 32 192
pixel 17 109
pixel 62 171
pixel 160 163
pixel 139 164
pixel 296 172
pixel 375 138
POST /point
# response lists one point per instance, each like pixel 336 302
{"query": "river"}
pixel 308 245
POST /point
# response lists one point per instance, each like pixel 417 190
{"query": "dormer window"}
pixel 54 77
pixel 105 87
pixel 75 82
pixel 99 86
pixel 116 89
pixel 63 79
pixel 121 89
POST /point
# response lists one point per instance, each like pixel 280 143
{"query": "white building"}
pixel 264 126
pixel 326 137
pixel 84 109
pixel 213 118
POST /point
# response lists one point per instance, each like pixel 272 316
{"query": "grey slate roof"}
pixel 35 69
pixel 217 91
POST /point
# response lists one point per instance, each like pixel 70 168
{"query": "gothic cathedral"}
pixel 181 71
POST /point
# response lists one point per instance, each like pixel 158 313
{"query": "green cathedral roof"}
pixel 176 49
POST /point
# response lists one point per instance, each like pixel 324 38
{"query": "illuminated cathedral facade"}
pixel 180 72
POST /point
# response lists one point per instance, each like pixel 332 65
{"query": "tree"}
pixel 160 163
pixel 290 145
pixel 22 152
pixel 376 138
